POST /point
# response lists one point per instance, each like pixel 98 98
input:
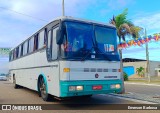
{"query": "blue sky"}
pixel 17 27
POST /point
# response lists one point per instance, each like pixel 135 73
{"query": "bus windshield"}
pixel 106 39
pixel 81 40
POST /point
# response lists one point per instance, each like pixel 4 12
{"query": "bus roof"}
pixel 63 18
pixel 82 20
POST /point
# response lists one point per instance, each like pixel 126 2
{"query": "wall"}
pixel 152 64
pixel 136 65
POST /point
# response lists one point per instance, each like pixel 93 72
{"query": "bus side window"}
pixel 10 56
pixel 49 46
pixel 14 55
pixel 19 54
pixel 54 44
pixel 22 49
pixel 41 40
pixel 25 48
pixel 45 37
pixel 35 42
pixel 31 45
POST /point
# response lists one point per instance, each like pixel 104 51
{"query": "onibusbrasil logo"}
pixel 21 107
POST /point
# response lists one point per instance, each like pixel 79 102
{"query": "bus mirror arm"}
pixel 59 38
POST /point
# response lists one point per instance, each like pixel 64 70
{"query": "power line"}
pixel 23 14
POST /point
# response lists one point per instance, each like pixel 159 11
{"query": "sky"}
pixel 19 19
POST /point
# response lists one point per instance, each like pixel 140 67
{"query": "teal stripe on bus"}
pixel 87 87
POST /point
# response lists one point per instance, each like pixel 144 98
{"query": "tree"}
pixel 140 71
pixel 125 27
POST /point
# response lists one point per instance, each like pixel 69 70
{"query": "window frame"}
pixel 49 51
pixel 43 39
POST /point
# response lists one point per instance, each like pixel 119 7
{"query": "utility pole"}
pixel 121 67
pixel 63 8
pixel 147 58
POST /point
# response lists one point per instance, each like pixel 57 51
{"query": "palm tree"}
pixel 140 71
pixel 125 28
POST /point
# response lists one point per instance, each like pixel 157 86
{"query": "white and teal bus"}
pixel 68 57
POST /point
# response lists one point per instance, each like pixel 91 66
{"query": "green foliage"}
pixel 125 76
pixel 125 26
pixel 140 71
pixel 121 18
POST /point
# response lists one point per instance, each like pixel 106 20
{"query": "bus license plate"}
pixel 99 87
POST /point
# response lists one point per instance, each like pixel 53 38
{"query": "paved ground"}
pixel 143 89
pixel 144 92
pixel 25 96
pixel 9 95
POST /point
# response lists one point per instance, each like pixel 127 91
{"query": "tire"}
pixel 87 96
pixel 14 82
pixel 43 90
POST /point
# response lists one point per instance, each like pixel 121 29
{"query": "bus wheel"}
pixel 87 96
pixel 14 82
pixel 43 90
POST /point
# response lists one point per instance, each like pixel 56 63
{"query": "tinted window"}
pixel 36 42
pixel 54 45
pixel 25 48
pixel 41 39
pixel 19 54
pixel 14 56
pixel 49 39
pixel 31 45
pixel 106 38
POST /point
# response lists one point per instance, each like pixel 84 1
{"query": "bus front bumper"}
pixel 89 87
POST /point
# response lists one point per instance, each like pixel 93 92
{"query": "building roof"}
pixel 132 60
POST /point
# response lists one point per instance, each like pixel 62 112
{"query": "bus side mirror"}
pixel 59 39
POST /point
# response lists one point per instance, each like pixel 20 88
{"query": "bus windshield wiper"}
pixel 101 52
pixel 89 52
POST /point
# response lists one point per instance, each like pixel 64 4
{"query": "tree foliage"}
pixel 140 71
pixel 125 26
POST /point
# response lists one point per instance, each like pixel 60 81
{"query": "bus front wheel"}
pixel 43 90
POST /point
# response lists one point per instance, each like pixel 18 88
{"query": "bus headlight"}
pixel 75 88
pixel 79 88
pixel 72 88
pixel 115 86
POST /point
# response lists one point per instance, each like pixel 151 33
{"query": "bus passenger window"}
pixel 19 54
pixel 35 42
pixel 31 45
pixel 41 40
pixel 25 48
pixel 54 44
pixel 48 50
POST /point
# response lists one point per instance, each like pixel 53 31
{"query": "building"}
pixel 130 65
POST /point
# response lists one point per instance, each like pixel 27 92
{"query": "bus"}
pixel 68 57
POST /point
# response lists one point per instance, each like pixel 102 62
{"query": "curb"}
pixel 131 99
pixel 141 84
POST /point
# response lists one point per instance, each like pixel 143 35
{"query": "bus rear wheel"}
pixel 14 82
pixel 43 90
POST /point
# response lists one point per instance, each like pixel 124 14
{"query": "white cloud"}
pixel 16 27
pixel 149 21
